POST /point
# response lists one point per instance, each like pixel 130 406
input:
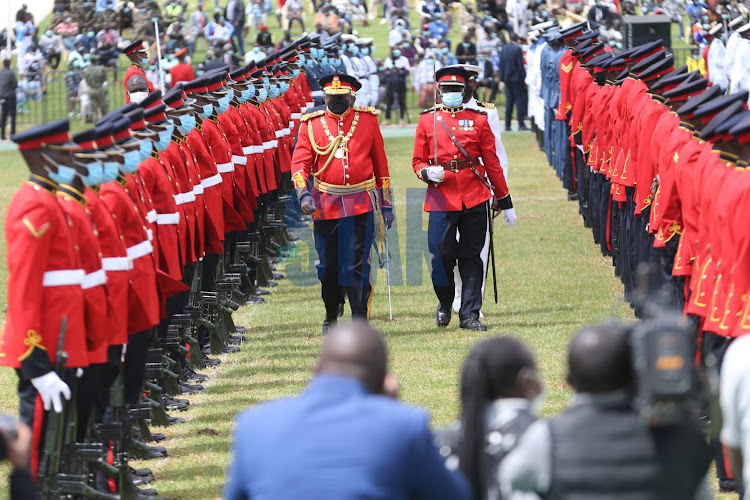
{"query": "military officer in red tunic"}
pixel 137 55
pixel 457 194
pixel 342 149
pixel 44 279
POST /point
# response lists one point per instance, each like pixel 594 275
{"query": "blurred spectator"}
pixel 734 396
pixel 8 86
pixel 17 447
pixel 429 9
pixel 395 71
pixel 106 55
pixel 284 42
pixel 501 396
pixel 235 16
pixel 264 39
pixel 398 34
pixel 410 53
pixel 231 58
pixel 255 12
pixel 68 29
pixel 695 62
pixel 72 80
pixel 197 22
pixel 174 12
pixel 468 20
pixel 217 32
pixel 24 36
pixel 155 74
pixel 255 55
pixel 295 11
pixel 321 33
pixel 85 100
pixel 423 78
pixel 446 56
pixel 599 14
pixel 33 61
pixel 344 437
pixel 488 44
pixel 513 75
pixel 76 55
pixel 51 45
pixel 695 10
pixel 108 35
pixel 359 12
pixel 124 15
pixel 466 52
pixel 439 29
pixel 518 16
pixel 599 447
pixel 22 13
pixel 423 41
pixel 104 5
pixel 396 9
pixel 96 80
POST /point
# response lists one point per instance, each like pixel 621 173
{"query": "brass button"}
pixel 347 176
pixel 455 157
pixel 453 128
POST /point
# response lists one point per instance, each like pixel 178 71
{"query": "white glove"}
pixel 435 174
pixel 50 387
pixel 510 217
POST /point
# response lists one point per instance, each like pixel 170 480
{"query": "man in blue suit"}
pixel 342 439
pixel 513 75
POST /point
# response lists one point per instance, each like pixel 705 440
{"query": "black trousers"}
pixel 716 346
pixel 93 394
pixel 343 247
pixel 445 250
pixel 515 96
pixel 8 108
pixel 135 364
pixel 390 99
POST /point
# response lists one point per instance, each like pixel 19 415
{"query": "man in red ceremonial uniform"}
pixel 342 149
pixel 137 55
pixel 458 193
pixel 44 280
pixel 182 71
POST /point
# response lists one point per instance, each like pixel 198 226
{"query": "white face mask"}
pixel 538 403
pixel 137 97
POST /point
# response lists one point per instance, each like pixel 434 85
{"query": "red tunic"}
pixel 463 188
pixel 366 161
pixel 95 296
pixel 44 282
pixel 211 189
pixel 143 297
pixel 236 175
pixel 182 72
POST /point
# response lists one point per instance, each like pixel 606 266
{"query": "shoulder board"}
pixel 428 110
pixel 309 116
pixel 487 105
pixel 479 111
pixel 368 109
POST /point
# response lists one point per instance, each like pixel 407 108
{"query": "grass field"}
pixel 551 278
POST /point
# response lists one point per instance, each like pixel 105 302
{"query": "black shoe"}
pixel 572 196
pixel 254 299
pixel 727 485
pixel 523 127
pixel 140 472
pixel 327 326
pixel 260 291
pixel 211 361
pixel 196 378
pixel 146 492
pixel 174 420
pixel 443 315
pixel 156 437
pixel 472 324
pixel 141 480
pixel 189 388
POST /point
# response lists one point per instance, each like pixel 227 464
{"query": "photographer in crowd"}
pixel 15 445
pixel 599 447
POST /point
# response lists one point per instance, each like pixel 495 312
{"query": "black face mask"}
pixel 338 104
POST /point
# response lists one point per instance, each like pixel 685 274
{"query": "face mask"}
pixel 246 94
pixel 396 54
pixel 164 138
pixel 137 97
pixel 324 61
pixel 207 111
pixel 407 45
pixel 262 94
pixel 230 94
pixel 130 161
pixel 266 82
pixel 426 33
pixel 91 34
pixel 467 44
pixel 399 28
pixel 110 169
pixel 145 150
pixel 338 104
pixel 301 59
pixel 538 403
pixel 430 60
pixel 295 73
pixel 187 124
pixel 273 91
pixel 445 50
pixel 337 62
pixel 452 99
pixel 222 104
pixel 144 62
pixel 364 51
pixel 64 174
pixel 94 175
pixel 284 87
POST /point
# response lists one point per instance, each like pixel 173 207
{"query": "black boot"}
pixel 443 315
pixel 472 324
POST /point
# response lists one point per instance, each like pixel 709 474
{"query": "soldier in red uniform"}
pixel 44 279
pixel 137 55
pixel 458 193
pixel 342 150
pixel 182 71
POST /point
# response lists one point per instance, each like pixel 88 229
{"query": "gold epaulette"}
pixel 481 112
pixel 487 105
pixel 308 116
pixel 368 109
pixel 429 110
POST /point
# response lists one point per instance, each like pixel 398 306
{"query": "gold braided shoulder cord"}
pixel 336 142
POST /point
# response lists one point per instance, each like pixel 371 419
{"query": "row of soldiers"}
pixel 130 246
pixel 657 158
